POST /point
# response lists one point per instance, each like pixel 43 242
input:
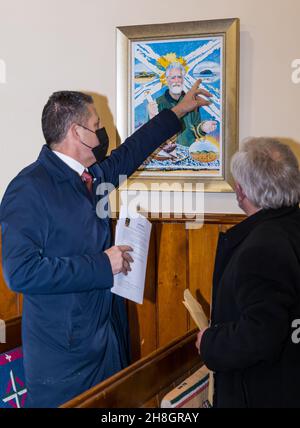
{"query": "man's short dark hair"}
pixel 62 109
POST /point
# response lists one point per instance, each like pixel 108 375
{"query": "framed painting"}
pixel 156 66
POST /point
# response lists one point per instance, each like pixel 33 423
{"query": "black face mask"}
pixel 99 151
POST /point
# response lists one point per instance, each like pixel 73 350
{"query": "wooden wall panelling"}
pixel 142 318
pixel 13 334
pixel 8 300
pixel 20 304
pixel 178 259
pixel 202 249
pixel 225 227
pixel 172 317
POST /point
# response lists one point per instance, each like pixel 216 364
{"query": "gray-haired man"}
pixel 256 285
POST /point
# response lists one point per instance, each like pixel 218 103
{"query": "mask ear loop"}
pixel 88 129
pixel 86 145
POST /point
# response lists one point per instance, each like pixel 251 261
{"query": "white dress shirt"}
pixel 72 163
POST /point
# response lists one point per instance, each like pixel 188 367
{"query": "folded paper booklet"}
pixel 198 315
pixel 195 310
pixel 135 232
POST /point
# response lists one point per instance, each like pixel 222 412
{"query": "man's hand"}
pixel 192 100
pixel 199 338
pixel 119 258
pixel 152 109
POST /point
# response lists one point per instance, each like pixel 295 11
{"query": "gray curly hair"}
pixel 176 66
pixel 268 172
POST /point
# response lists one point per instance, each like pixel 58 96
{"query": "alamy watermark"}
pixel 176 200
pixel 2 331
pixel 296 332
pixel 296 71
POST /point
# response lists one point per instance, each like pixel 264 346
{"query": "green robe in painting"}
pixel 187 136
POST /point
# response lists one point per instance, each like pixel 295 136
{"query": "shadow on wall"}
pixel 107 119
pixel 294 145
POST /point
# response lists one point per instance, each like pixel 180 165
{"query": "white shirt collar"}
pixel 72 163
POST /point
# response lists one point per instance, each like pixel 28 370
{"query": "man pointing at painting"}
pixel 59 254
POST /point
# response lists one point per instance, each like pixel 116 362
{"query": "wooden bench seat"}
pixel 13 334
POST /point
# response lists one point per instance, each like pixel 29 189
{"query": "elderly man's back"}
pixel 252 344
pixel 256 299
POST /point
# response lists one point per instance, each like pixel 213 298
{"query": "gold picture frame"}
pixel 138 47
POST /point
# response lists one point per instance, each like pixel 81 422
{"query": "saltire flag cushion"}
pixel 12 386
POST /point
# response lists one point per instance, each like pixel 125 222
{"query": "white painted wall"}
pixel 49 45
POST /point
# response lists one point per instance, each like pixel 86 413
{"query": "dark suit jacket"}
pixel 74 329
pixel 255 300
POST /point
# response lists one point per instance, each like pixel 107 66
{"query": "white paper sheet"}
pixel 134 232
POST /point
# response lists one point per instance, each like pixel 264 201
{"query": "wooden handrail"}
pixel 209 218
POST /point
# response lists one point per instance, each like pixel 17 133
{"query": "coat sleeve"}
pixel 24 228
pixel 265 292
pixel 126 159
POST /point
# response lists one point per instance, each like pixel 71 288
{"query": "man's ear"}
pixel 239 192
pixel 74 131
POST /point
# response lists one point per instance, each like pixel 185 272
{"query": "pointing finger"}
pixel 202 102
pixel 196 84
pixel 203 92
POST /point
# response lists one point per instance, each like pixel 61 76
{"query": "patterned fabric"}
pixel 12 387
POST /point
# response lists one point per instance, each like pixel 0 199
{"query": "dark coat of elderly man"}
pixel 252 344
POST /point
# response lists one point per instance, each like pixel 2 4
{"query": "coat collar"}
pixel 239 232
pixel 55 166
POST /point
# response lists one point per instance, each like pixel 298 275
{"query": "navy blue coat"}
pixel 74 329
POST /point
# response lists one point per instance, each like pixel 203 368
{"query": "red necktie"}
pixel 88 180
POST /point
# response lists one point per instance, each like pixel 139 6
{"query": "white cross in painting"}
pixel 16 393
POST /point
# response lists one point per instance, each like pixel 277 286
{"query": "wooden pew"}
pixel 144 383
